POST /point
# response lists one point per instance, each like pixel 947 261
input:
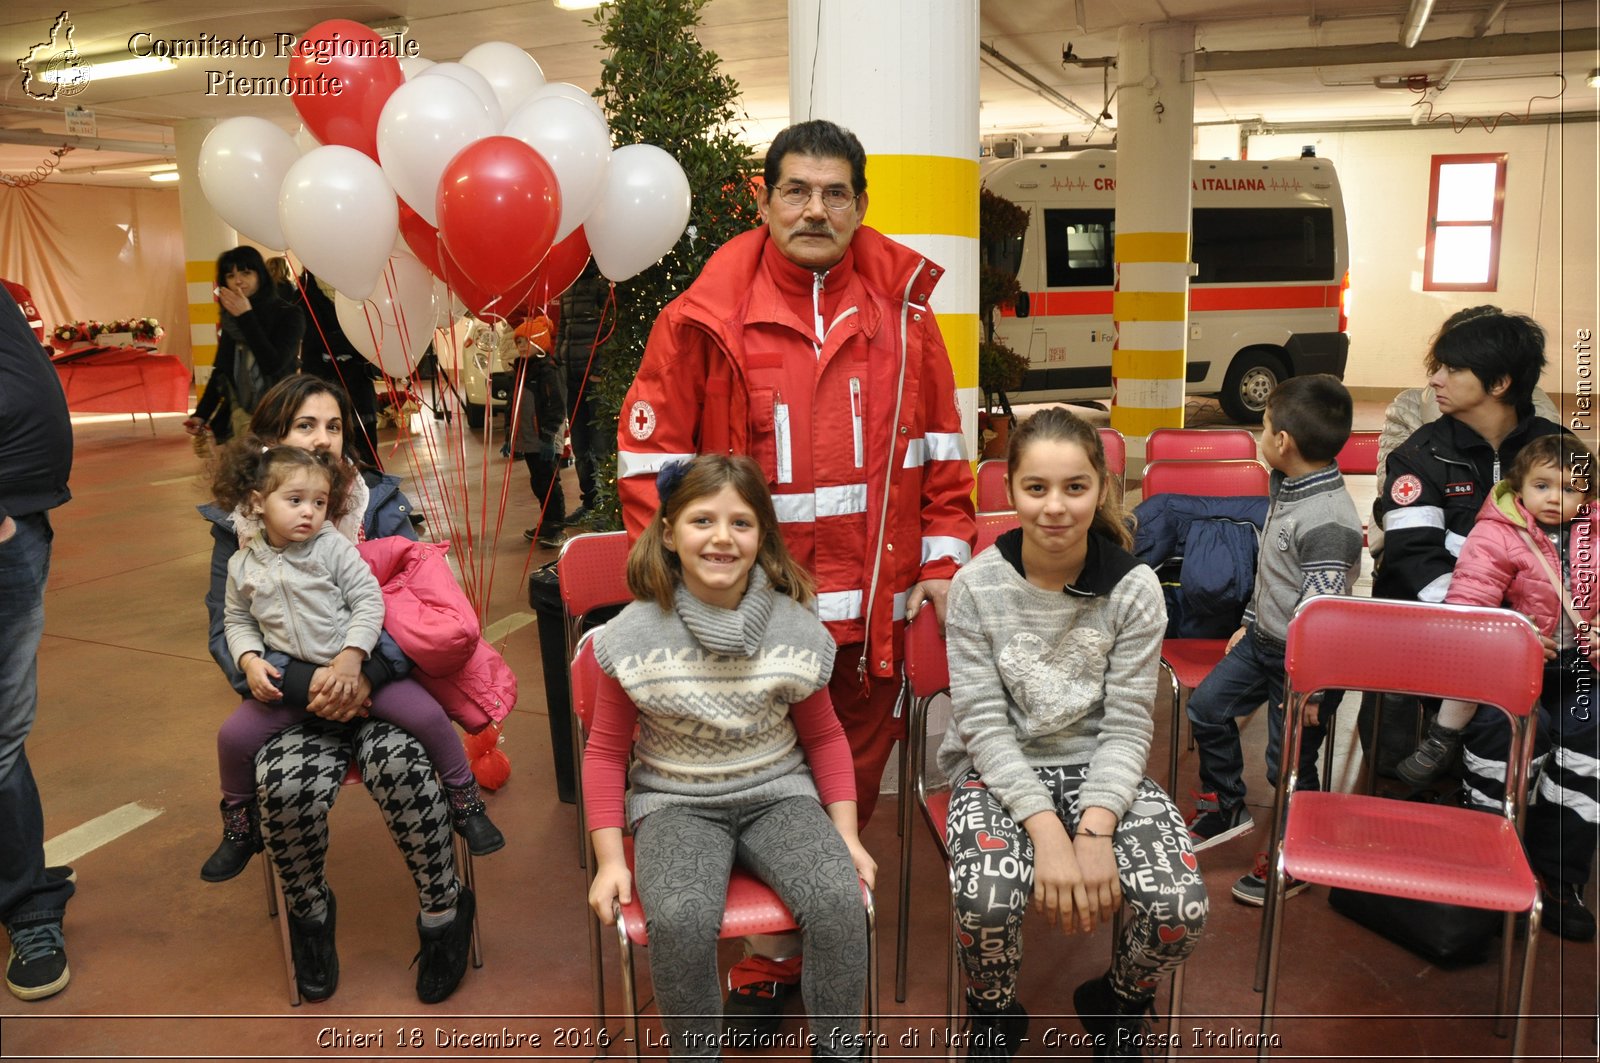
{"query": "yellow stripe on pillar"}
pixel 960 332
pixel 1151 247
pixel 1147 365
pixel 931 194
pixel 1148 306
pixel 200 274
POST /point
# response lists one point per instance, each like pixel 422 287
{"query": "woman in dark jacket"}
pixel 258 343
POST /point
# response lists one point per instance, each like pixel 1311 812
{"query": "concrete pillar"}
pixel 1155 128
pixel 903 76
pixel 205 236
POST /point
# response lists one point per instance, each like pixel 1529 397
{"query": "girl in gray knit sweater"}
pixel 738 758
pixel 1054 638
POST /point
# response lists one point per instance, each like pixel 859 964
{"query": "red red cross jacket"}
pixel 858 431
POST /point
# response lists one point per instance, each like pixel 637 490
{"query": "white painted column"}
pixel 205 236
pixel 1155 130
pixel 902 75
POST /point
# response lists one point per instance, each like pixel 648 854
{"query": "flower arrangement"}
pixel 144 329
pixel 78 332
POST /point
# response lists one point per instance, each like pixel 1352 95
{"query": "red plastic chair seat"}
pixel 1406 849
pixel 752 908
pixel 1191 660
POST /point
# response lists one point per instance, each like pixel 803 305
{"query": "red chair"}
pixel 1198 444
pixel 1359 455
pixel 1189 661
pixel 927 675
pixel 1403 848
pixel 990 527
pixel 752 906
pixel 992 473
pixel 1222 477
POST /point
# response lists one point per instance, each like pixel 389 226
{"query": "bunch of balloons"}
pixel 476 173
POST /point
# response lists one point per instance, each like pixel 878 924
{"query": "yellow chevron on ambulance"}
pixel 1268 289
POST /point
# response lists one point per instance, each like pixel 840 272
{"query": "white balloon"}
pixel 412 65
pixel 641 213
pixel 339 214
pixel 577 147
pixel 472 80
pixel 573 92
pixel 305 140
pixel 393 328
pixel 512 73
pixel 423 125
pixel 242 165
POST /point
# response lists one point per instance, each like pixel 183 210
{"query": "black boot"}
pixel 1121 1028
pixel 316 960
pixel 1434 756
pixel 995 1033
pixel 470 818
pixel 241 839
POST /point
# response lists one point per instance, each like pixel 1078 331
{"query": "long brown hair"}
pixel 251 464
pixel 654 571
pixel 277 409
pixel 1059 424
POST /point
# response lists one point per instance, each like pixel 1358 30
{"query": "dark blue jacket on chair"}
pixel 1204 551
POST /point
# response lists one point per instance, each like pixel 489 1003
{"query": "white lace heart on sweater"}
pixel 1057 684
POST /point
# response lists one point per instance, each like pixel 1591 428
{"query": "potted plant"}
pixel 1001 226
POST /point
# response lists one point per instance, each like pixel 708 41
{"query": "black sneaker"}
pixel 1120 1028
pixel 758 990
pixel 442 960
pixel 1564 911
pixel 1213 824
pixel 1433 757
pixel 37 967
pixel 551 540
pixel 1251 889
pixel 995 1034
pixel 241 839
pixel 316 960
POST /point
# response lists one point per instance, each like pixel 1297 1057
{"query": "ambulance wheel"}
pixel 1251 378
pixel 475 415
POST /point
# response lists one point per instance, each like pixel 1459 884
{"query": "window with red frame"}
pixel 1466 203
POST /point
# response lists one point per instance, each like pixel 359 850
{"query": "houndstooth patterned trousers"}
pixel 298 774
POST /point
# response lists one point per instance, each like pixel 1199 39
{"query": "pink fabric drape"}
pixel 98 254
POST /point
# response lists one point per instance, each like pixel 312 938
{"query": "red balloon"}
pixel 481 302
pixel 363 66
pixel 422 238
pixel 499 204
pixel 561 267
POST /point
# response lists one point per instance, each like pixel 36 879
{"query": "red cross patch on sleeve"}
pixel 1406 490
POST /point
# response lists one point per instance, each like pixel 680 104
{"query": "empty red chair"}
pixel 1196 444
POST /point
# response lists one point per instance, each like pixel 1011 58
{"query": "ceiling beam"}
pixel 1554 42
pixel 40 138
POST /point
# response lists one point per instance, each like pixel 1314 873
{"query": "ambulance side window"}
pixel 1077 248
pixel 1255 245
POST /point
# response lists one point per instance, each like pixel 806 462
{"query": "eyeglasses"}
pixel 832 198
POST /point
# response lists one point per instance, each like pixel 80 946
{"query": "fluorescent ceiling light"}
pixel 164 176
pixel 578 5
pixel 107 67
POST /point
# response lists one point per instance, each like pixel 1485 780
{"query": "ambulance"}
pixel 1268 287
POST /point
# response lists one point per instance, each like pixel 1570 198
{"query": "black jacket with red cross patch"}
pixel 1435 483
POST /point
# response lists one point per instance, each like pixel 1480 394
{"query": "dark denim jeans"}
pixel 27 897
pixel 1251 673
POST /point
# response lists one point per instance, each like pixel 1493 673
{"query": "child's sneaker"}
pixel 995 1034
pixel 241 839
pixel 1433 757
pixel 1213 824
pixel 1564 913
pixel 1251 889
pixel 470 819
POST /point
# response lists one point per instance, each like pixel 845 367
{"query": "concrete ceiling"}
pixel 1358 74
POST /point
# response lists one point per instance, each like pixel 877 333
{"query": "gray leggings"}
pixel 683 855
pixel 993 860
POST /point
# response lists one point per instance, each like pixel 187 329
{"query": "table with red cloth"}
pixel 122 380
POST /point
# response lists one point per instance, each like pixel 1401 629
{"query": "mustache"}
pixel 819 229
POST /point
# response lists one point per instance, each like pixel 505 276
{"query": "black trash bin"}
pixel 544 598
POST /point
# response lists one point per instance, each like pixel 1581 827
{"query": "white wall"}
pixel 1547 249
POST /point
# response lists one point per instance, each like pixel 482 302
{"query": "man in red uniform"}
pixel 809 345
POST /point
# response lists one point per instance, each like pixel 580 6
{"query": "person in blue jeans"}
pixel 1311 544
pixel 35 460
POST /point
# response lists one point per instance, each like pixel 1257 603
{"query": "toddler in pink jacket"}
pixel 1533 549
